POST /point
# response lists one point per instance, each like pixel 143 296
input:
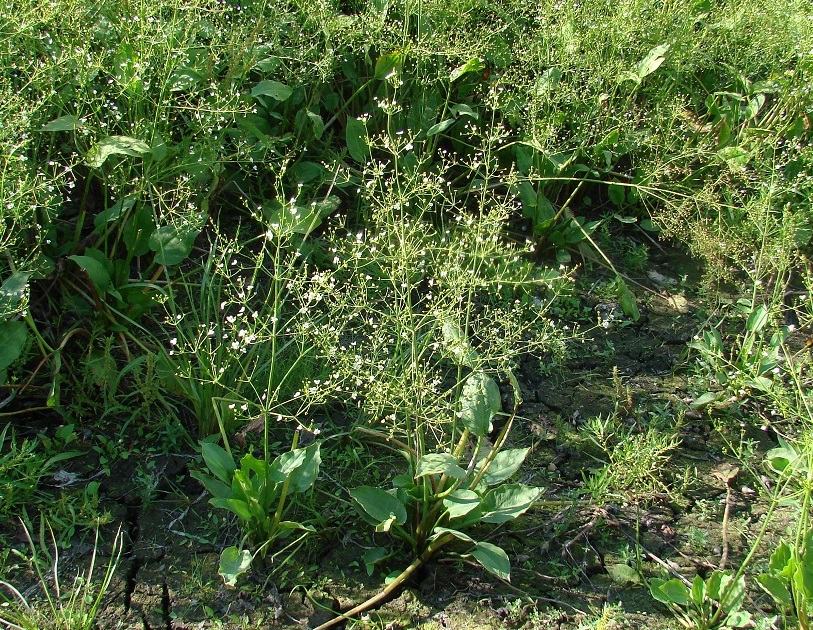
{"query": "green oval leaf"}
pixel 63 123
pixel 356 138
pixel 173 243
pixel 493 558
pixel 461 502
pixel 276 90
pixel 378 507
pixel 299 466
pixel 234 562
pixel 218 461
pixel 439 464
pixel 12 340
pixel 506 503
pixel 96 270
pixel 387 65
pixel 115 145
pixel 504 464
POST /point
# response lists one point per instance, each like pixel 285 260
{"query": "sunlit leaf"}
pixel 387 65
pixel 479 401
pixel 233 563
pixel 493 558
pixel 505 503
pixel 115 145
pixel 437 464
pixel 218 461
pixel 475 64
pixel 378 507
pixel 63 123
pixel 503 465
pixel 652 61
pixel 276 90
pixel 461 502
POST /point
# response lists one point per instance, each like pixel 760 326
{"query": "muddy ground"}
pixel 571 555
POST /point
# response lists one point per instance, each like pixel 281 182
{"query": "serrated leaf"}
pixel 439 464
pixel 63 123
pixel 276 90
pixel 115 145
pixel 356 138
pixel 493 559
pixel 233 563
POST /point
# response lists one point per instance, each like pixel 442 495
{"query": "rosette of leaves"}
pixel 256 492
pixel 445 493
pixel 715 602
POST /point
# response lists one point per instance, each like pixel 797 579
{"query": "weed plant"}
pixel 73 608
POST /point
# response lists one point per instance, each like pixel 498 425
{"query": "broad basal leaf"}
pixel 652 61
pixel 439 464
pixel 12 340
pixel 461 502
pixel 475 64
pixel 96 270
pixel 63 123
pixel 300 467
pixel 173 243
pixel 233 562
pixel 276 90
pixel 12 292
pixel 493 558
pixel 389 64
pixel 507 502
pixel 504 464
pixel 378 507
pixel 218 461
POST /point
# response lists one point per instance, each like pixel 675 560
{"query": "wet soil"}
pixel 576 558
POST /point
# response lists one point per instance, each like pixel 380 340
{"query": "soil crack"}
pixel 132 516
